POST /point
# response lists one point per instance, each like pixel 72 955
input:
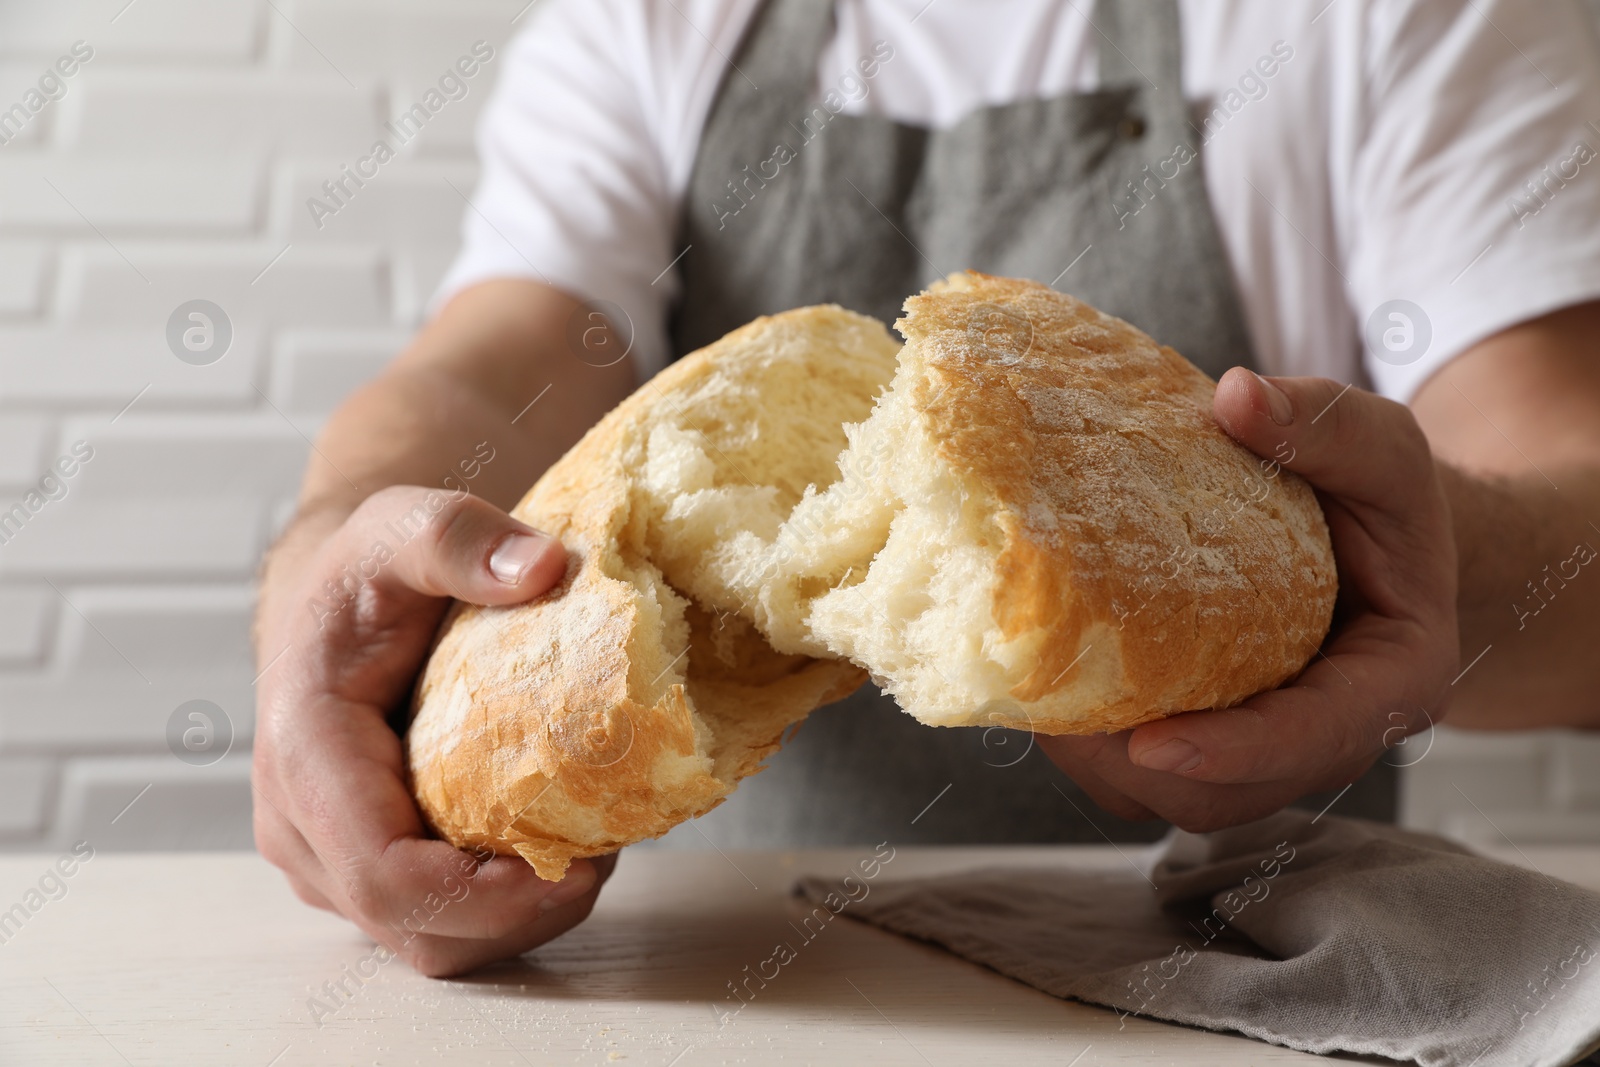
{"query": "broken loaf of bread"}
pixel 1024 517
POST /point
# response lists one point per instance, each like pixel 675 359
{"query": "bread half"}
pixel 1040 525
pixel 613 708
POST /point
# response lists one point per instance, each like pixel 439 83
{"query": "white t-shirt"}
pixel 1433 151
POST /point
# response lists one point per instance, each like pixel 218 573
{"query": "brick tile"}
pixel 50 711
pixel 78 194
pixel 410 49
pixel 315 371
pixel 193 30
pixel 1490 829
pixel 23 267
pixel 256 454
pixel 25 785
pixel 211 114
pixel 184 807
pixel 416 40
pixel 1575 771
pixel 1500 772
pixel 417 274
pixel 307 287
pixel 139 538
pixel 25 615
pixel 172 631
pixel 453 131
pixel 22 443
pixel 406 201
pixel 50 366
pixel 279 513
pixel 19 131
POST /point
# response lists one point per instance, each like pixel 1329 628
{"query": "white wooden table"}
pixel 208 959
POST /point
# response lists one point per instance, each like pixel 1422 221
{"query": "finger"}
pixel 445 957
pixel 354 810
pixel 1077 757
pixel 406 881
pixel 604 867
pixel 283 846
pixel 1191 805
pixel 1365 451
pixel 381 582
pixel 309 894
pixel 1314 732
pixel 409 539
pixel 1372 466
pixel 1346 441
pixel 1286 735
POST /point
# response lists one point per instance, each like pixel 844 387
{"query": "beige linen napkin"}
pixel 1325 935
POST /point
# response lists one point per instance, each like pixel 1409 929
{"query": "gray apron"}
pixel 1089 192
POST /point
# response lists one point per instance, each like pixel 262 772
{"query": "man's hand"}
pixel 1387 664
pixel 332 807
pixel 331 804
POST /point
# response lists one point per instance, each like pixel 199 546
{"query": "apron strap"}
pixel 1140 43
pixel 779 49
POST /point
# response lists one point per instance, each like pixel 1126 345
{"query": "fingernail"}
pixel 515 554
pixel 1278 401
pixel 1174 755
pixel 570 888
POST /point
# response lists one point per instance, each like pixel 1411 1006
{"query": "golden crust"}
pixel 539 730
pixel 1138 535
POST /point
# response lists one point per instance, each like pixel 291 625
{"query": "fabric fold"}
pixel 1323 935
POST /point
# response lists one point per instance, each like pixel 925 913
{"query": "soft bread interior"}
pixel 837 530
pixel 888 560
pixel 718 468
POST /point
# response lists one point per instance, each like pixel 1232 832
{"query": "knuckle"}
pixel 269 842
pixel 367 896
pixel 307 894
pixel 1199 822
pixel 430 959
pixel 1132 811
pixel 1349 414
pixel 386 502
pixel 1361 417
pixel 408 512
pixel 1207 816
pixel 1214 808
pixel 451 525
pixel 579 909
pixel 1116 803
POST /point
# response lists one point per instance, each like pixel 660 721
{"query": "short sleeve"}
pixel 1475 189
pixel 572 191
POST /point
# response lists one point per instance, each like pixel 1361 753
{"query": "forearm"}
pixel 1529 595
pixel 484 399
pixel 493 367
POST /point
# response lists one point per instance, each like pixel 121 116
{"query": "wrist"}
pixel 284 563
pixel 1486 510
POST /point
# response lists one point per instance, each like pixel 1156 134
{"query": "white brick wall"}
pixel 175 167
pixel 1534 788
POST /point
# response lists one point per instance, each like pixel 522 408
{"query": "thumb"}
pixel 462 547
pixel 1376 480
pixel 1353 444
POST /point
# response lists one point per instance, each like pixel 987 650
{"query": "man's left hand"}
pixel 1389 660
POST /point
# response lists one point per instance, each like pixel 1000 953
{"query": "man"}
pixel 1399 194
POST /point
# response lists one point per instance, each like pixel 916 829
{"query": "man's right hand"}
pixel 332 808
